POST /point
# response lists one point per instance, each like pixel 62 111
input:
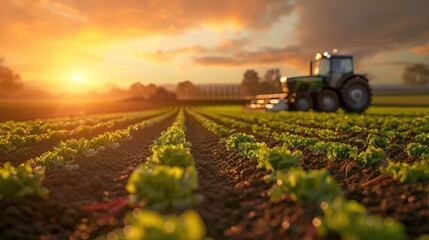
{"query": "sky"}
pixel 77 45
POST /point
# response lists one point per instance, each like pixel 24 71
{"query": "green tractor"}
pixel 332 84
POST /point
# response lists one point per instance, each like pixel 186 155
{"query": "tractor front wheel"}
pixel 355 95
pixel 301 102
pixel 327 101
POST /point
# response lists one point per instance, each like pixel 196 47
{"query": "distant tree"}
pixel 250 82
pixel 151 89
pixel 9 81
pixel 138 90
pixel 186 89
pixel 417 74
pixel 272 76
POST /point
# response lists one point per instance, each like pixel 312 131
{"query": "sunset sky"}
pixel 76 45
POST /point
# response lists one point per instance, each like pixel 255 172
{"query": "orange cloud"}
pixel 421 49
pixel 130 18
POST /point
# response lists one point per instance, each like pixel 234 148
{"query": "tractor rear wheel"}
pixel 355 95
pixel 327 101
pixel 301 102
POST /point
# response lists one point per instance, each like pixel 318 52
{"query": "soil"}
pixel 91 201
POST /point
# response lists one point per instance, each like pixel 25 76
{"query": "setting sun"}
pixel 77 78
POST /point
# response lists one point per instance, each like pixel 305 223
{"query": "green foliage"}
pixel 351 221
pixel 173 155
pixel 149 225
pixel 233 141
pixel 416 149
pixel 278 158
pixel 21 181
pixel 61 157
pixel 251 150
pixel 423 138
pixel 312 185
pixel 377 141
pixel 261 130
pixel 160 187
pixel 404 172
pixel 370 156
pixel 339 151
pixel 293 140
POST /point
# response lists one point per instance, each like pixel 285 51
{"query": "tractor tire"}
pixel 301 102
pixel 327 101
pixel 355 95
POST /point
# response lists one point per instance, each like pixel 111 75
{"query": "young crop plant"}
pixel 410 173
pixel 338 151
pixel 371 156
pixel 173 155
pixel 251 150
pixel 293 140
pixel 278 158
pixel 261 130
pixel 349 220
pixel 313 185
pixel 233 141
pixel 160 187
pixel 417 149
pixel 377 141
pixel 423 138
pixel 143 224
pixel 21 181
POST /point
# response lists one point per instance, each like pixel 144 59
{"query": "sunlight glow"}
pixel 77 78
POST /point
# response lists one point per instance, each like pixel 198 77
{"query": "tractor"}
pixel 332 84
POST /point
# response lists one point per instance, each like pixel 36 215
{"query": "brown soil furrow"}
pixel 236 205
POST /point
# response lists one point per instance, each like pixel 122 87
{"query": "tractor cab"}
pixel 333 68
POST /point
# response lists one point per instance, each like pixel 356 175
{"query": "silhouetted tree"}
pixel 9 81
pixel 272 76
pixel 417 74
pixel 138 90
pixel 186 89
pixel 250 83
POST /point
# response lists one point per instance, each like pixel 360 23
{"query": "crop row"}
pixel 25 133
pixel 168 180
pixel 26 179
pixel 346 218
pixel 372 150
pixel 261 124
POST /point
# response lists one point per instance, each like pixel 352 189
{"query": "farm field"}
pixel 217 172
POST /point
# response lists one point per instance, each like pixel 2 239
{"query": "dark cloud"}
pixel 361 27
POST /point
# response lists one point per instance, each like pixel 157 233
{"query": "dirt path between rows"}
pixel 98 180
pixel 236 205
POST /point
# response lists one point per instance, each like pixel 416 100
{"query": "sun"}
pixel 77 78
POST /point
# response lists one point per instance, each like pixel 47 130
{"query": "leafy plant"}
pixel 233 141
pixel 278 158
pixel 377 141
pixel 370 156
pixel 261 129
pixel 251 150
pixel 404 172
pixel 351 221
pixel 416 149
pixel 160 187
pixel 312 185
pixel 21 181
pixel 339 151
pixel 423 138
pixel 143 224
pixel 173 155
